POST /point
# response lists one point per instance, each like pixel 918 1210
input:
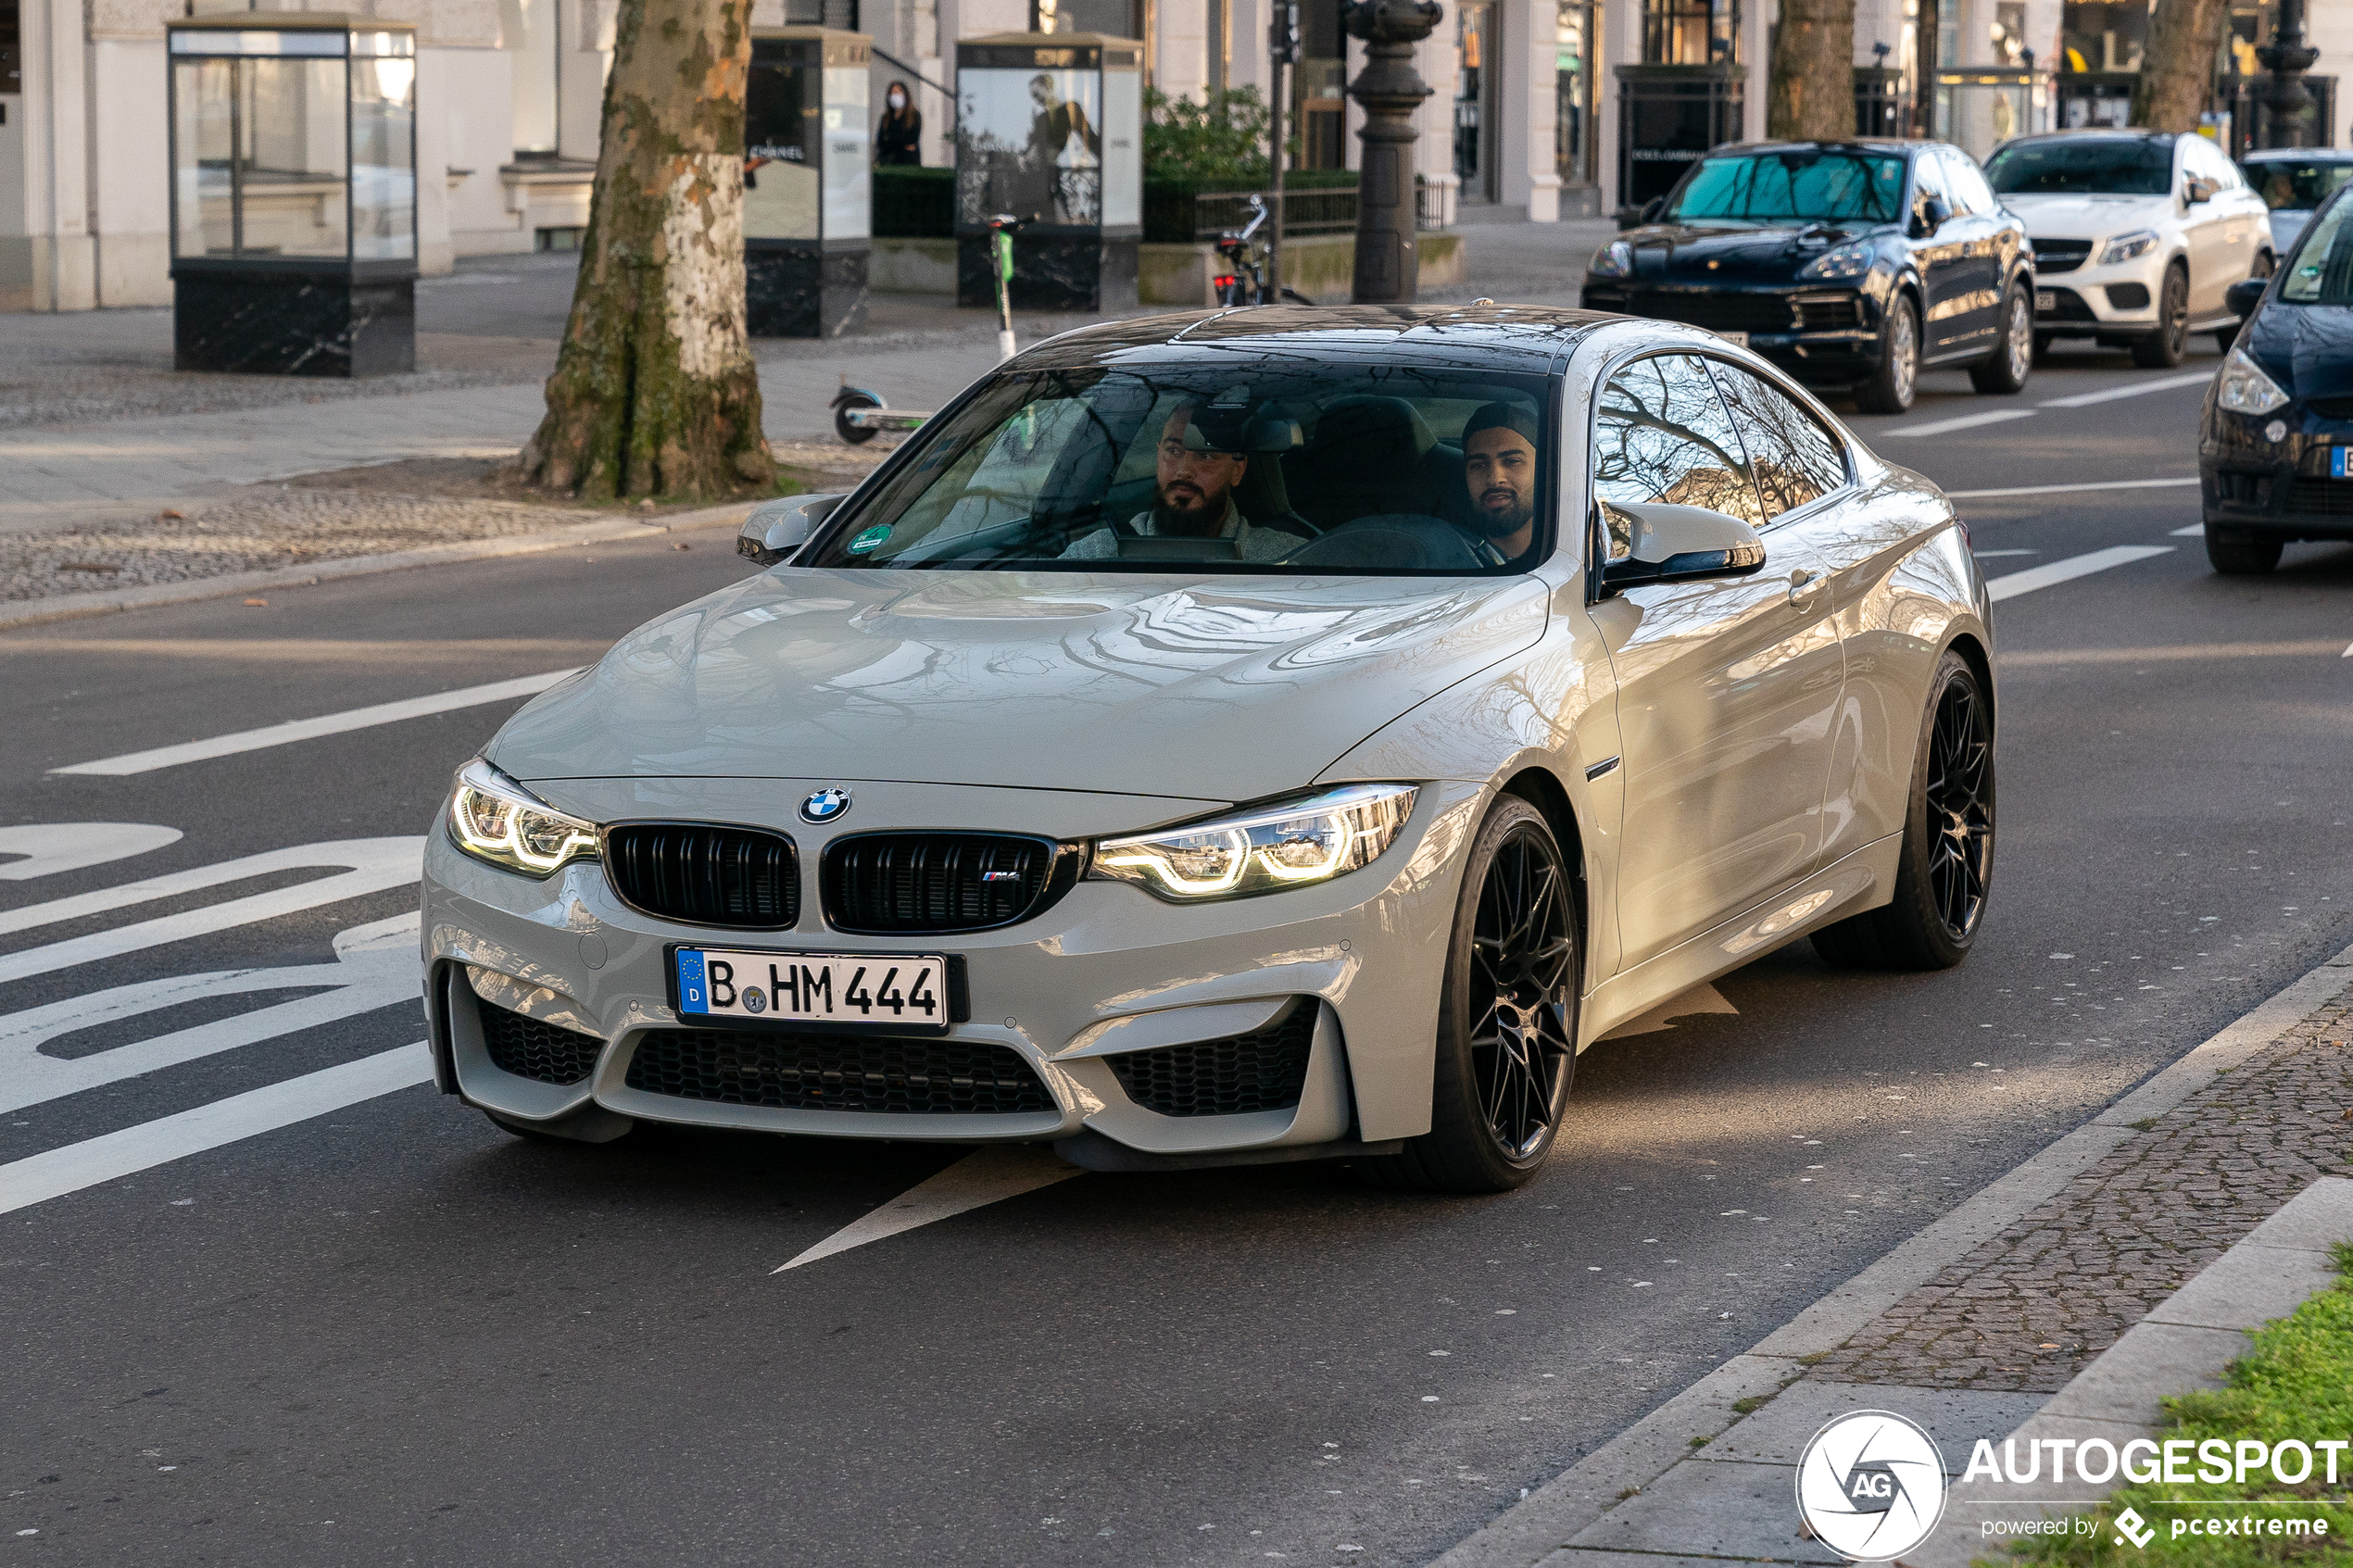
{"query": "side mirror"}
pixel 2245 296
pixel 1672 544
pixel 2198 191
pixel 1935 213
pixel 776 529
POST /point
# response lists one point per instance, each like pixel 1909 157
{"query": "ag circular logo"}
pixel 1870 1485
pixel 825 805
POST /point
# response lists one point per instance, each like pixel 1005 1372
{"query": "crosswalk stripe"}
pixel 309 729
pixel 40 1177
pixel 2057 571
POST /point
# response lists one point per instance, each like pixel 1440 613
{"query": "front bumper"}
pixel 1820 333
pixel 2251 487
pixel 1106 971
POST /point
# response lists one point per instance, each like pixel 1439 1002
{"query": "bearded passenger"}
pixel 1193 499
pixel 1499 468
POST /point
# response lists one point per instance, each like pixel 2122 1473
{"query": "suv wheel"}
pixel 2240 554
pixel 2164 348
pixel 2006 370
pixel 1890 387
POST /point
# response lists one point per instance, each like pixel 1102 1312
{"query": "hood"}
pixel 1695 253
pixel 2089 218
pixel 2307 348
pixel 1223 690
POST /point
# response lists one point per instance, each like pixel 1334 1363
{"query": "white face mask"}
pixel 898 100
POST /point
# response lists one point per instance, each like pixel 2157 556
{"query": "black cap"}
pixel 1514 416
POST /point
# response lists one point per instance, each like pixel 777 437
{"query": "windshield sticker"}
pixel 869 540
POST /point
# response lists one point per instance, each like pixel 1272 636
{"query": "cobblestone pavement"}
pixel 287 527
pixel 2029 1308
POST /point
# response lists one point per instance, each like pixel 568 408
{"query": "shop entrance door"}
pixel 1475 82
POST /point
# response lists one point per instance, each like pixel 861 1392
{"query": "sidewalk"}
pixel 2034 1286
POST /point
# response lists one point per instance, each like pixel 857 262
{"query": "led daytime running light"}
pixel 1291 844
pixel 495 819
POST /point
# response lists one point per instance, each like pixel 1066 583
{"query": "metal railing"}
pixel 1307 212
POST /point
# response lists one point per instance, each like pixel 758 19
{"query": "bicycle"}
pixel 1238 251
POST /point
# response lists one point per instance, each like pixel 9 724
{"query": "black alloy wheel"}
pixel 1947 859
pixel 2006 370
pixel 2164 347
pixel 1507 1016
pixel 1897 376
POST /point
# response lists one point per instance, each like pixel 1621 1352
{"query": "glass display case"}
pixel 1049 129
pixel 808 181
pixel 294 192
pixel 1978 110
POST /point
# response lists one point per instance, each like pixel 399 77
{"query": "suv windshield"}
pixel 1791 187
pixel 1272 466
pixel 2086 166
pixel 2294 184
pixel 2320 272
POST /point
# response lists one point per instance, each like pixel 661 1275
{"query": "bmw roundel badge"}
pixel 825 805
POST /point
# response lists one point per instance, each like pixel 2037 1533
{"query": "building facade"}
pixel 1541 110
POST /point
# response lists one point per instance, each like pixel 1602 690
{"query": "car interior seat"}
pixel 1369 456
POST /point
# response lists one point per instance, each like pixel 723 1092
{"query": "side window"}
pixel 1795 462
pixel 1970 191
pixel 1663 435
pixel 1927 180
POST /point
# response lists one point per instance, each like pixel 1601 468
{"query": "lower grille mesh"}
pixel 1264 1070
pixel 2322 497
pixel 530 1049
pixel 929 1077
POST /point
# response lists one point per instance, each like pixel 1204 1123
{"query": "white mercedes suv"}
pixel 2136 233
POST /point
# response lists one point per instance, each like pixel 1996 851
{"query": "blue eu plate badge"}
pixel 2341 462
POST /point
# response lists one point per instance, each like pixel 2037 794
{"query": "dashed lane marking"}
pixel 2057 571
pixel 2192 532
pixel 2194 653
pixel 2137 389
pixel 1966 422
pixel 309 729
pixel 988 1175
pixel 110 1156
pixel 2069 489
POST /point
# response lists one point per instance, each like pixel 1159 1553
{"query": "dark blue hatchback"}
pixel 1852 265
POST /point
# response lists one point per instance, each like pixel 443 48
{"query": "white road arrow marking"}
pixel 376 966
pixel 370 865
pixel 41 1177
pixel 51 847
pixel 1701 999
pixel 308 729
pixel 2067 570
pixel 984 1176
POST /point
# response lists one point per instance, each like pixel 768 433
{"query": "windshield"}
pixel 1264 466
pixel 2295 184
pixel 1791 187
pixel 2320 272
pixel 2088 166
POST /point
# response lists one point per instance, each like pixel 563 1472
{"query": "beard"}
pixel 1503 524
pixel 1190 518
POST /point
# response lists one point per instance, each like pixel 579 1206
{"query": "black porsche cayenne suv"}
pixel 2275 449
pixel 1852 265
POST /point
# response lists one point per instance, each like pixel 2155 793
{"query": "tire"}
pixel 2006 370
pixel 2164 347
pixel 1499 1087
pixel 1893 383
pixel 2241 556
pixel 1941 881
pixel 852 398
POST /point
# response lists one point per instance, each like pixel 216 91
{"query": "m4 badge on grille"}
pixel 825 805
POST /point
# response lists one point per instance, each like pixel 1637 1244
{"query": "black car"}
pixel 2276 450
pixel 1851 265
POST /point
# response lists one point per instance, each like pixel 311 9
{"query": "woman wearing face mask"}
pixel 900 138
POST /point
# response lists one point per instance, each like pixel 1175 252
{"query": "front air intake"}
pixel 929 1075
pixel 705 874
pixel 531 1048
pixel 1264 1070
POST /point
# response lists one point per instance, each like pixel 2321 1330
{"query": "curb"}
pixel 72 606
pixel 2187 1342
pixel 1571 1502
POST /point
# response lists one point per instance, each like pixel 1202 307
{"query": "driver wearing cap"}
pixel 1193 499
pixel 1499 467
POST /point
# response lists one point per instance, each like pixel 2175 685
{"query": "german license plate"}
pixel 1741 339
pixel 2341 462
pixel 904 992
pixel 2047 299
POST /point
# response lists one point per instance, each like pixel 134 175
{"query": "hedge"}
pixel 911 202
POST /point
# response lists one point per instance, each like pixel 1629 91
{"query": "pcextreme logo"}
pixel 1871 1485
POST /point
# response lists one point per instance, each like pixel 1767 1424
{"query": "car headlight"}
pixel 1264 849
pixel 495 819
pixel 1614 260
pixel 2124 248
pixel 2244 389
pixel 1849 260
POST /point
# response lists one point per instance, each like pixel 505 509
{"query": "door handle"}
pixel 1804 584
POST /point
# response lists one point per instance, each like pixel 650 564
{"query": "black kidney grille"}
pixel 935 882
pixel 929 1076
pixel 530 1049
pixel 1264 1070
pixel 705 874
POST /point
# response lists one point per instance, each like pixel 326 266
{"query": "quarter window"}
pixel 1664 435
pixel 1794 459
pixel 1969 191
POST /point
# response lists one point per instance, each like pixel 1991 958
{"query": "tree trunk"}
pixel 2178 70
pixel 655 393
pixel 1812 98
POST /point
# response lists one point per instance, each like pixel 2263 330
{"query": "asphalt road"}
pixel 390 1334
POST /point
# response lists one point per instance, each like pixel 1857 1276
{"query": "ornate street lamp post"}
pixel 2287 57
pixel 1388 267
